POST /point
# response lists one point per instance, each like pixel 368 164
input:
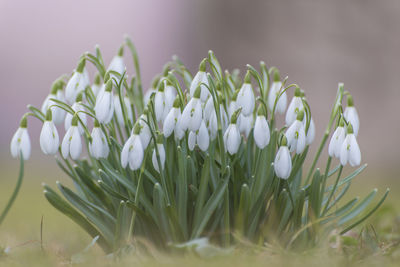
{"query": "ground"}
pixel 374 244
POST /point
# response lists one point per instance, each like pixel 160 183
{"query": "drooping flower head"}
pixel 232 137
pixel 276 95
pixel 161 153
pixel 351 115
pixel 261 128
pixel 350 151
pixel 77 83
pixel 72 143
pixel 104 108
pixel 98 147
pixel 337 139
pixel 294 107
pixel 132 153
pixel 21 143
pixel 49 139
pixel 245 97
pixel 192 114
pixel 283 161
pixel 295 134
pixel 58 114
pixel 199 80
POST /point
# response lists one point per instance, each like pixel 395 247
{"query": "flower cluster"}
pixel 215 134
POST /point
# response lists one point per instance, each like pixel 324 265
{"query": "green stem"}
pixel 16 190
pixel 333 191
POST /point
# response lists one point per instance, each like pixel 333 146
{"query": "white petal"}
pixel 311 132
pixel 344 151
pixel 159 105
pixel 117 64
pixel 161 152
pixel 136 154
pixel 75 149
pixel 125 152
pixel 66 142
pixel 245 99
pixel 203 139
pixel 25 144
pixel 71 87
pixel 15 143
pixel 294 107
pixel 261 132
pixel 191 140
pixel 170 121
pixel 351 115
pixel 283 163
pixel 233 139
pixel 354 152
pixel 301 140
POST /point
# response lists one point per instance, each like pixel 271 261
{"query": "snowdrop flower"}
pixel 21 143
pixel 261 129
pixel 163 100
pixel 96 87
pixel 274 92
pixel 161 153
pixel 310 135
pixel 133 151
pixel 145 134
pixel 245 124
pixel 58 114
pixel 295 134
pixel 208 109
pixel 77 83
pixel 350 151
pixel 198 79
pixel 98 147
pixel 78 108
pixel 351 115
pixel 283 161
pixel 245 98
pixel 192 114
pixel 233 105
pixel 118 110
pixel 117 63
pixel 104 107
pixel 171 121
pixel 232 135
pixel 213 122
pixel 49 140
pixel 337 140
pixel 150 91
pixel 294 107
pixel 72 143
pixel 200 137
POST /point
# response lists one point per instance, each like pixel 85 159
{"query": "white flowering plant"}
pixel 176 165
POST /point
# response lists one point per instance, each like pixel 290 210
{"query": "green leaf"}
pixel 359 208
pixel 368 214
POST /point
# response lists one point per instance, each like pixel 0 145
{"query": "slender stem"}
pixel 333 191
pixel 16 190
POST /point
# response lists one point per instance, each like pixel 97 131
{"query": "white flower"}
pixel 104 107
pixel 200 79
pixel 132 153
pixel 72 143
pixel 117 65
pixel 118 110
pixel 294 107
pixel 201 138
pixel 98 148
pixel 336 142
pixel 274 92
pixel 261 132
pixel 77 83
pixel 192 115
pixel 21 141
pixel 145 134
pixel 171 121
pixel 161 152
pixel 245 124
pixel 245 98
pixel 49 139
pixel 96 87
pixel 148 94
pixel 77 107
pixel 213 122
pixel 350 151
pixel 232 139
pixel 296 136
pixel 283 162
pixel 163 101
pixel 310 135
pixel 58 113
pixel 351 115
pixel 209 109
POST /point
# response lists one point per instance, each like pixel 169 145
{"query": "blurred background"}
pixel 316 43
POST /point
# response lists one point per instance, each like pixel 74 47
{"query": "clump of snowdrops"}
pixel 196 160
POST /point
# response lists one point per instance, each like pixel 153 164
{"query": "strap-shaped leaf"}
pixel 368 214
pixel 359 208
pixel 60 204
